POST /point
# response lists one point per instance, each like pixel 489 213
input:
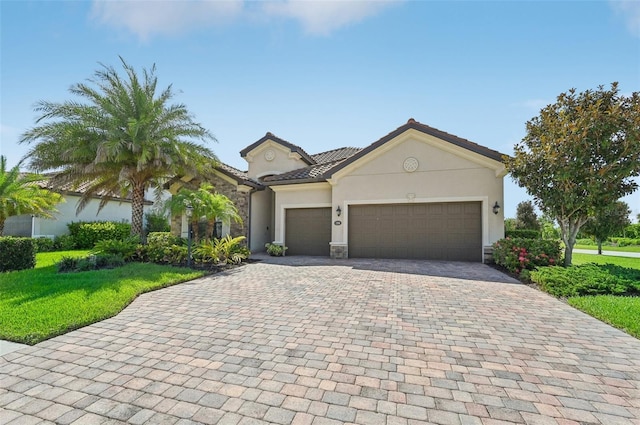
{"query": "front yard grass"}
pixel 620 312
pixel 41 303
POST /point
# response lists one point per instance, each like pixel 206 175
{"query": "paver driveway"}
pixel 367 342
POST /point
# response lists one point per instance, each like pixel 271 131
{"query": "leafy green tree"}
pixel 580 154
pixel 205 204
pixel 121 138
pixel 509 224
pixel 526 217
pixel 548 227
pixel 606 221
pixel 20 194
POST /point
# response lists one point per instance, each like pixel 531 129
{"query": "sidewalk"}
pixel 7 347
pixel 608 253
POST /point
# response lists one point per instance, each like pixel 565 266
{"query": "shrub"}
pixel 625 241
pixel 156 222
pixel 275 250
pixel 159 248
pixel 225 250
pixel 632 231
pixel 67 264
pixel 43 244
pixel 109 261
pixel 91 262
pixel 125 248
pixel 17 253
pixel 64 243
pixel 588 279
pixel 585 241
pixel 521 254
pixel 86 234
pixel 523 234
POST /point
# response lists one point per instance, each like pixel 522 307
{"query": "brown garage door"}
pixel 308 231
pixel 435 231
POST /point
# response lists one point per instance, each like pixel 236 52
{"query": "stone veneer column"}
pixel 339 252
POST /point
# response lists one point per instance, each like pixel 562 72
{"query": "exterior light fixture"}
pixel 338 211
pixel 496 208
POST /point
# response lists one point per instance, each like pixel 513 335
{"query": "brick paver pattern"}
pixel 317 342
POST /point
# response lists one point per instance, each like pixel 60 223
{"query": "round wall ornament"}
pixel 269 155
pixel 410 164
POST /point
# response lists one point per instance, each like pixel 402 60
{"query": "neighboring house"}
pixel 116 209
pixel 418 192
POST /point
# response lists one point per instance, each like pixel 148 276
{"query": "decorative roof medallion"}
pixel 269 155
pixel 410 164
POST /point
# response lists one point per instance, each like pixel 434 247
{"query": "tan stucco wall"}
pixel 309 195
pixel 261 220
pixel 113 211
pixel 283 161
pixel 440 177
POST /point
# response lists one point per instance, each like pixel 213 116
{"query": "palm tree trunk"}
pixel 137 209
pixel 1 226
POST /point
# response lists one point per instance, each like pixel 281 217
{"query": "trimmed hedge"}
pixel 588 279
pixel 625 241
pixel 523 233
pixel 86 233
pixel 519 254
pixel 17 253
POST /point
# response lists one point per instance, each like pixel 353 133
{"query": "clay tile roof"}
pixel 335 155
pixel 71 189
pixel 312 173
pixel 239 176
pixel 270 136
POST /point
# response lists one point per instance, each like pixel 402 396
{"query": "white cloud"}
pixel 147 18
pixel 630 11
pixel 321 17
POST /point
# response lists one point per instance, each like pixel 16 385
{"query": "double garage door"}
pixel 433 231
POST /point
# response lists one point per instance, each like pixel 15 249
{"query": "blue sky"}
pixel 326 74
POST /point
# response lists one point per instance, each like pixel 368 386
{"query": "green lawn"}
pixel 40 303
pixel 621 312
pixel 632 263
pixel 610 248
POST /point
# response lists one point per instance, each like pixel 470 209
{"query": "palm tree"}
pixel 124 139
pixel 19 194
pixel 207 204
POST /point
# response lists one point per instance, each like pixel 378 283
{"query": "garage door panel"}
pixel 308 231
pixel 437 231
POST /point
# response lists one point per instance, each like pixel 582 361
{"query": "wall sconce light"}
pixel 338 211
pixel 496 208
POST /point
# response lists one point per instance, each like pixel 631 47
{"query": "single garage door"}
pixel 449 231
pixel 308 231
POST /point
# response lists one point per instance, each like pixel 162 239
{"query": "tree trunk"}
pixel 599 246
pixel 570 228
pixel 1 226
pixel 137 209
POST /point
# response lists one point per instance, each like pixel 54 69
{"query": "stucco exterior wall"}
pixel 440 176
pixel 113 211
pixel 283 160
pixel 262 229
pixel 309 195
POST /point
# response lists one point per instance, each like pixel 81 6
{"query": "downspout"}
pixel 33 226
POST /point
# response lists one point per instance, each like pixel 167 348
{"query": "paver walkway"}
pixel 365 342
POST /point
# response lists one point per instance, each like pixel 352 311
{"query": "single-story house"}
pixel 25 225
pixel 417 192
